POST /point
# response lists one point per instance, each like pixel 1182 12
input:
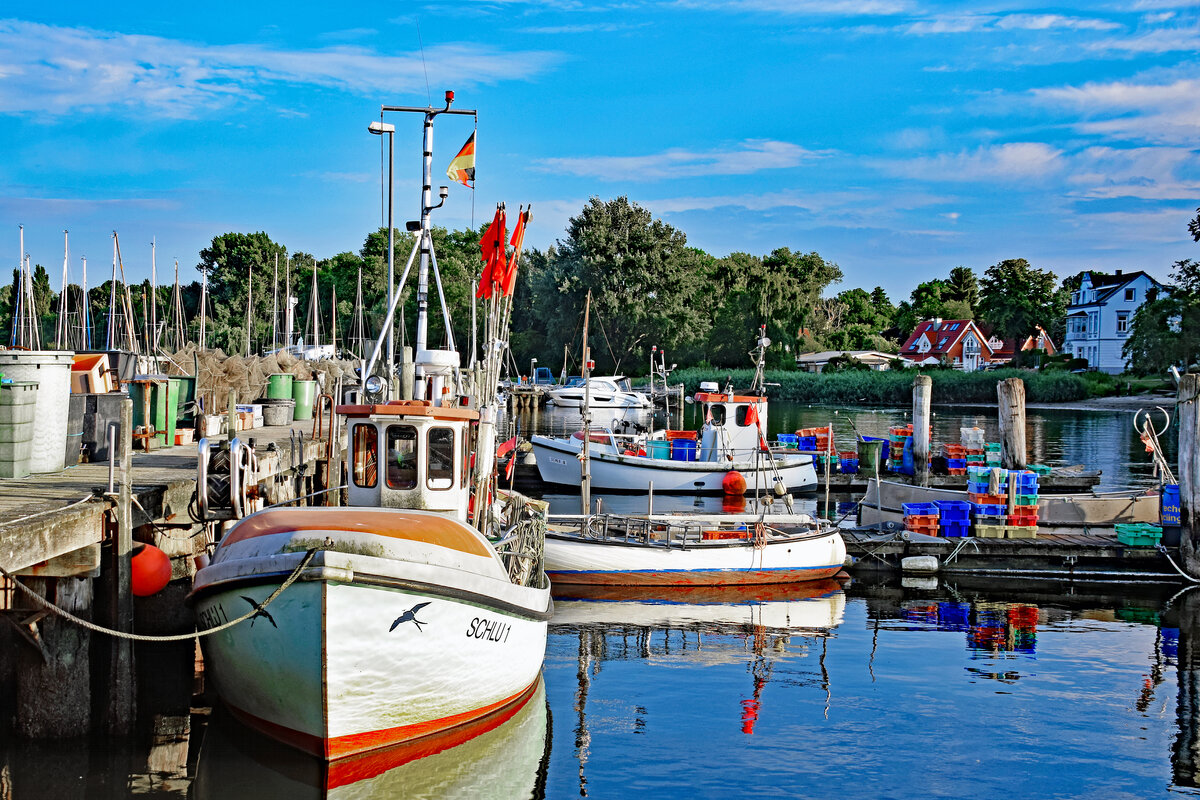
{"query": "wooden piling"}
pixel 1010 393
pixel 922 399
pixel 121 711
pixel 1188 410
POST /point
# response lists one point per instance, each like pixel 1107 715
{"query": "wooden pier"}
pixel 1073 557
pixel 68 537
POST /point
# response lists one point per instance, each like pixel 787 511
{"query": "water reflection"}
pixel 503 756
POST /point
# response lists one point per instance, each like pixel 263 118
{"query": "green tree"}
pixel 642 276
pixel 1015 297
pixel 1165 330
pixel 963 286
pixel 240 267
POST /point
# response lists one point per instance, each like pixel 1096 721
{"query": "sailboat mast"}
pixel 249 300
pixel 333 321
pixel 585 463
pixel 203 305
pixel 112 299
pixel 60 333
pixel 86 324
pixel 152 341
pixel 275 307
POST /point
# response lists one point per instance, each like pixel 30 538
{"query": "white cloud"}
pixel 1167 112
pixel 55 70
pixel 1161 40
pixel 1016 161
pixel 753 155
pixel 1147 173
pixel 806 7
pixel 972 23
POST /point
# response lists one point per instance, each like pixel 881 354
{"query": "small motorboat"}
pixel 599 392
pixel 691 549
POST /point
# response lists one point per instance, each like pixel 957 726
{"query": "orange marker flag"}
pixel 491 247
pixel 518 241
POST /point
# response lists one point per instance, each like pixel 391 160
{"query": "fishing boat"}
pixel 599 392
pixel 420 607
pixel 1062 514
pixel 691 549
pixel 732 439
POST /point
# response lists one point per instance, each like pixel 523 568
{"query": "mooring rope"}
pixel 1163 550
pixel 180 637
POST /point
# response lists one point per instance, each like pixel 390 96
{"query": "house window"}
pixel 402 457
pixel 1123 322
pixel 942 343
pixel 954 327
pixel 1094 323
pixel 1130 295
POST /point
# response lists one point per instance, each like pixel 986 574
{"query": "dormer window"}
pixel 923 344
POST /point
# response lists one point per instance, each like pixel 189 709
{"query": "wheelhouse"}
pixel 732 424
pixel 409 454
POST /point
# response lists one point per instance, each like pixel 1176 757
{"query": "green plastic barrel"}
pixel 162 404
pixel 304 393
pixel 279 386
pixel 187 399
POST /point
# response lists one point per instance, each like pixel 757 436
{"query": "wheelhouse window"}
pixel 365 449
pixel 717 411
pixel 402 457
pixel 440 467
pixel 740 418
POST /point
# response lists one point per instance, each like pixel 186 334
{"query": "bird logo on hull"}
pixel 410 616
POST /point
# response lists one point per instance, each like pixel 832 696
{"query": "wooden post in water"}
pixel 922 398
pixel 121 712
pixel 1189 470
pixel 1010 393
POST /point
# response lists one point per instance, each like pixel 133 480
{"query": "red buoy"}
pixel 151 571
pixel 733 504
pixel 733 483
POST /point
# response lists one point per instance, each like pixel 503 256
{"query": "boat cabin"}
pixel 409 454
pixel 732 423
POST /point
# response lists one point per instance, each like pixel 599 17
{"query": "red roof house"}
pixel 958 341
pixel 1007 349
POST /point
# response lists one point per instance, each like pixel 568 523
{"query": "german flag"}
pixel 462 168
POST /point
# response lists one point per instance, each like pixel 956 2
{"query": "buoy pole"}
pixel 922 400
pixel 1188 406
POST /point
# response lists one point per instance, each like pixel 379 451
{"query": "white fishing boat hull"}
pixel 558 462
pixel 572 559
pixel 367 651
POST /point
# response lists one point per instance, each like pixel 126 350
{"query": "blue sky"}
pixel 898 138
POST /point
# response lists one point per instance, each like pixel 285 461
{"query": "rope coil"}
pixel 179 637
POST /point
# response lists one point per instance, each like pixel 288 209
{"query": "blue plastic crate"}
pixel 954 510
pixel 919 509
pixel 956 463
pixel 989 510
pixel 788 440
pixel 976 487
pixel 806 442
pixel 1023 482
pixel 955 530
pixel 849 465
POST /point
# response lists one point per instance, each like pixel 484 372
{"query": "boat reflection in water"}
pixel 701 625
pixel 504 756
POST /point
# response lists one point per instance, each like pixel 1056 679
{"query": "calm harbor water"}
pixel 890 689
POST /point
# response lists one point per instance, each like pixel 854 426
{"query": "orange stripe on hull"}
pixel 707 578
pixel 358 744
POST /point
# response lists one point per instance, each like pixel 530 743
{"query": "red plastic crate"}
pixel 956 470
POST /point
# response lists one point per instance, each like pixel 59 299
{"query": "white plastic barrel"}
pixel 51 371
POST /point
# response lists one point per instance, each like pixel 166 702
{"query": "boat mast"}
pixel 203 306
pixel 333 320
pixel 112 299
pixel 152 340
pixel 86 324
pixel 275 307
pixel 585 463
pixel 60 332
pixel 249 300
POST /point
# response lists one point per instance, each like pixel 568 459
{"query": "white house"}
pixel 1100 316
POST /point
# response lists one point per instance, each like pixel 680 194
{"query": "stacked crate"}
pixel 898 436
pixel 988 510
pixel 1139 534
pixel 956 458
pixel 819 441
pixel 848 461
pixel 954 518
pixel 972 444
pixel 1023 518
pixel 921 518
pixel 991 454
pixel 1041 469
